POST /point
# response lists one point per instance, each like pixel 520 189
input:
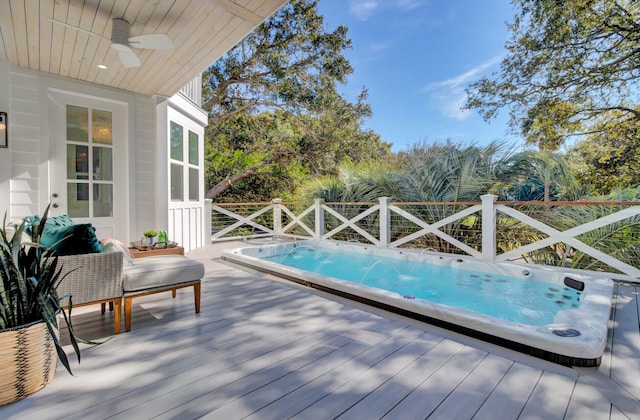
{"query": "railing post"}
pixel 385 221
pixel 277 216
pixel 319 228
pixel 488 227
pixel 208 234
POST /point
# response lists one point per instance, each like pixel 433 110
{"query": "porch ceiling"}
pixel 202 31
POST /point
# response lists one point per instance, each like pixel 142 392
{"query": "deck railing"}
pixel 599 236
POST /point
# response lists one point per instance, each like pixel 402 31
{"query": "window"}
pixel 184 166
pixel 194 169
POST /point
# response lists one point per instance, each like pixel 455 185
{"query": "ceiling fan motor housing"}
pixel 120 34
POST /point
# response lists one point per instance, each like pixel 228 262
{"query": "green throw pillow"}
pixel 71 240
pixel 55 221
pixel 63 220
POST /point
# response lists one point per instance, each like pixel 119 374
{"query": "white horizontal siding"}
pixel 24 143
pixel 144 172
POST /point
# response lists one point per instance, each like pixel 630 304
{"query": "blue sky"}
pixel 416 57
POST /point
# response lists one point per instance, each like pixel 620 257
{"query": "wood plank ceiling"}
pixel 201 30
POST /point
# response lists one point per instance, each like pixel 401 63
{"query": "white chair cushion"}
pixel 159 271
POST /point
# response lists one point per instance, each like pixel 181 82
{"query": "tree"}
pixel 273 101
pixel 571 70
pixel 259 157
pixel 608 160
pixel 532 170
pixel 450 172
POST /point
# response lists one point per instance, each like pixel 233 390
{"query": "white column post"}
pixel 207 221
pixel 319 231
pixel 385 221
pixel 488 227
pixel 277 216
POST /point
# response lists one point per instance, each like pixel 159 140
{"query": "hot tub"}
pixel 558 314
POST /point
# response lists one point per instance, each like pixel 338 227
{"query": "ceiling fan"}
pixel 124 44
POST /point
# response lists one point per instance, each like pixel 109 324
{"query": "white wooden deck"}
pixel 267 349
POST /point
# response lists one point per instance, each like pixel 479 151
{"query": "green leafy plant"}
pixel 29 276
pixel 150 233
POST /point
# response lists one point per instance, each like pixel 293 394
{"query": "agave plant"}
pixel 29 277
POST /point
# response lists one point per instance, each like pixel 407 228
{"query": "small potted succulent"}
pixel 29 310
pixel 150 237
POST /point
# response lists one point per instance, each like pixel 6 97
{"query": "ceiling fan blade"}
pixel 127 56
pixel 78 29
pixel 152 42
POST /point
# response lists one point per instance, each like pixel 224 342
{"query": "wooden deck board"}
pixel 217 371
pixel 348 395
pixel 511 394
pixel 326 385
pixel 426 397
pixel 587 403
pixel 626 340
pixel 550 397
pixel 270 350
pixel 410 381
pixel 467 398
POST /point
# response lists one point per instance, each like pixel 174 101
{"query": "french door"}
pixel 88 162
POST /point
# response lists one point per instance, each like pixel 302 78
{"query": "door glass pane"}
pixel 194 186
pixel 78 199
pixel 176 182
pixel 91 162
pixel 176 142
pixel 193 148
pixel 101 126
pixel 102 163
pixel 77 123
pixel 102 200
pixel 77 162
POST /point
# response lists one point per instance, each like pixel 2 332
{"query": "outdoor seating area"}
pixel 100 272
pixel 111 277
pixel 266 348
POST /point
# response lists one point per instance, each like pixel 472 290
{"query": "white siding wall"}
pixel 24 167
pixel 5 154
pixel 144 169
pixel 27 168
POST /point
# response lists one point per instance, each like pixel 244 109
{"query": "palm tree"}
pixel 548 168
pixel 440 173
pixel 448 172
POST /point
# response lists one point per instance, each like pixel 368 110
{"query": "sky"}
pixel 416 58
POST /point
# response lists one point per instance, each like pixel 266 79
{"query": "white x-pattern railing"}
pixel 296 226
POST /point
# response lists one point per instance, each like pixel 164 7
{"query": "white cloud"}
pixel 449 95
pixel 362 9
pixel 378 47
pixel 408 4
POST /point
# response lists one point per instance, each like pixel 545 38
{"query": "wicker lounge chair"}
pixel 93 279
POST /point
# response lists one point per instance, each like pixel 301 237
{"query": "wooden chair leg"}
pixel 173 293
pixel 196 296
pixel 117 315
pixel 127 313
pixel 111 306
pixel 103 307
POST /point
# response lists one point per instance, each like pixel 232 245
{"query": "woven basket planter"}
pixel 27 361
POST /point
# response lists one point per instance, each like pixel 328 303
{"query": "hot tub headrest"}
pixel 574 284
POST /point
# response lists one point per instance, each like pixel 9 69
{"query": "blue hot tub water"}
pixel 517 300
